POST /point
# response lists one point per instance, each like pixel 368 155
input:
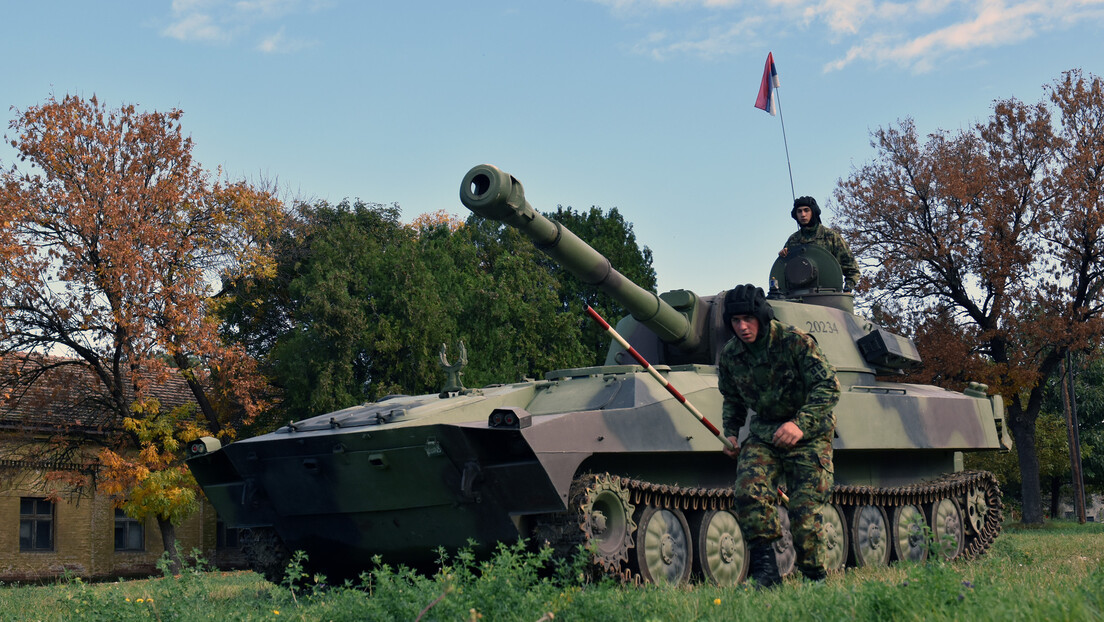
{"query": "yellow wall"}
pixel 84 540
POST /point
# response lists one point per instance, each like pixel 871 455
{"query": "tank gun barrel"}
pixel 492 193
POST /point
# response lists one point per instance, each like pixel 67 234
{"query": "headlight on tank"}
pixel 204 445
pixel 511 418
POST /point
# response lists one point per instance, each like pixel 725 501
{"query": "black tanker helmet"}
pixel 810 202
pixel 747 300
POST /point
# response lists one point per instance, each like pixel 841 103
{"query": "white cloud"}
pixel 267 8
pixel 278 42
pixel 195 27
pixel 991 23
pixel 272 43
pixel 840 15
pixel 229 20
pixel 716 42
pixel 914 34
pixel 191 6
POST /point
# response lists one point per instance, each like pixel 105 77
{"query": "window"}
pixel 226 537
pixel 36 524
pixel 129 533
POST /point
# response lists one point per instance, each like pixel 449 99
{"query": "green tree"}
pixel 511 313
pixel 1088 375
pixel 350 313
pixel 610 234
pixel 359 305
pixel 1052 450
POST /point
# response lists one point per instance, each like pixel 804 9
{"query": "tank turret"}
pixel 810 274
pixel 680 327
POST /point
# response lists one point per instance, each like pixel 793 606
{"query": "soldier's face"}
pixel 746 327
pixel 804 215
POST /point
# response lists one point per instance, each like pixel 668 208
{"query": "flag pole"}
pixel 785 143
pixel 768 101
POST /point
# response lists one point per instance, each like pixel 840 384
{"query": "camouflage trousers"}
pixel 806 473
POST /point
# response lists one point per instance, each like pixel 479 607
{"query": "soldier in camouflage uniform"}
pixel 780 373
pixel 807 214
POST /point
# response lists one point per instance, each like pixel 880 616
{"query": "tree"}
pixel 109 241
pixel 991 236
pixel 1088 368
pixel 350 313
pixel 612 236
pixel 509 308
pixel 1089 392
pixel 1052 451
pixel 440 218
pixel 152 481
pixel 359 305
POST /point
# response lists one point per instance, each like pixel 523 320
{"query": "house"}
pixel 1094 508
pixel 80 533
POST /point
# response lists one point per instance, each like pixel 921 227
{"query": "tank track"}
pixel 565 532
pixel 265 552
pixel 953 486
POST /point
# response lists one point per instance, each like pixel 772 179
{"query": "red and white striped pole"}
pixel 655 374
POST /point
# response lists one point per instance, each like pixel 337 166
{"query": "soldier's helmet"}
pixel 811 203
pixel 747 300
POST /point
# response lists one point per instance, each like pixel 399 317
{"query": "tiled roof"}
pixel 66 395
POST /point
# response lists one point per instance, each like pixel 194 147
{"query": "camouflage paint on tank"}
pixel 405 475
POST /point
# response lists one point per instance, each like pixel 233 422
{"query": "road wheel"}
pixel 835 535
pixel 721 552
pixel 909 534
pixel 663 550
pixel 870 536
pixel 947 528
pixel 784 547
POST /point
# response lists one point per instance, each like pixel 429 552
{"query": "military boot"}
pixel 816 576
pixel 763 566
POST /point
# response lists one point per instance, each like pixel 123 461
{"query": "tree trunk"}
pixel 1055 496
pixel 1023 432
pixel 168 540
pixel 198 392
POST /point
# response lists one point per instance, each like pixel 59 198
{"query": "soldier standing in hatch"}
pixel 807 214
pixel 780 373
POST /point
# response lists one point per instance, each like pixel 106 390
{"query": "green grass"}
pixel 1055 572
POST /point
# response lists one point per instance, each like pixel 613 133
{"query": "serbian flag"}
pixel 766 100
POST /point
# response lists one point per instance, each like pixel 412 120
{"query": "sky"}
pixel 641 105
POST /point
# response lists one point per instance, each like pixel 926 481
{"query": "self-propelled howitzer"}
pixel 604 455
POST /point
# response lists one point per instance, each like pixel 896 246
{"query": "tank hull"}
pixel 399 478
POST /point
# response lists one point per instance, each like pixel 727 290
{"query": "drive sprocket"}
pixel 605 515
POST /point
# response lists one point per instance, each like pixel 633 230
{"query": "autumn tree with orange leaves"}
pixel 110 240
pixel 988 243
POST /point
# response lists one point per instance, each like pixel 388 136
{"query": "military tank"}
pixel 606 457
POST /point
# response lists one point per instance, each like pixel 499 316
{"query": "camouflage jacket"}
pixel 831 241
pixel 788 380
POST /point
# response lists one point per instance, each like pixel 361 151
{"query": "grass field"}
pixel 1052 573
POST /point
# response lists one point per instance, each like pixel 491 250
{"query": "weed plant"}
pixel 1053 573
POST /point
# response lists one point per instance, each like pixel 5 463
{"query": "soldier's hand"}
pixel 783 252
pixel 735 451
pixel 787 435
